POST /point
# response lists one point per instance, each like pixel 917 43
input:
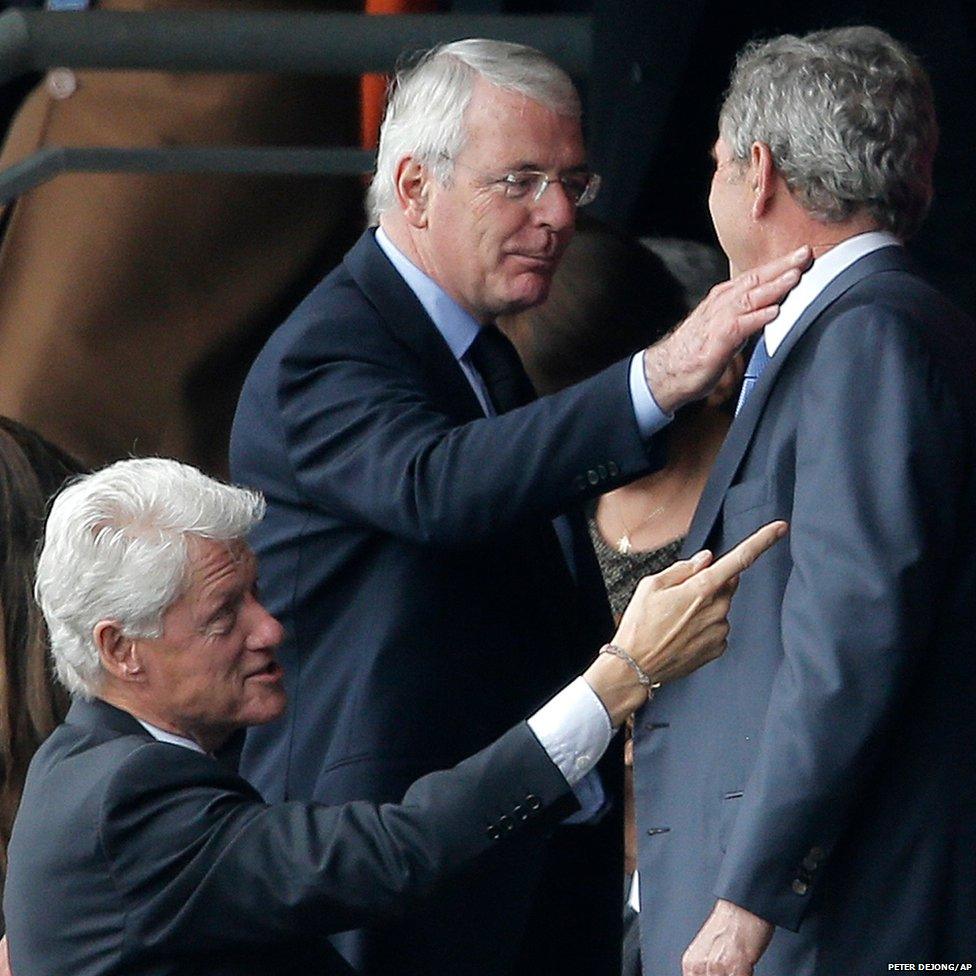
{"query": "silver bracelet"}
pixel 642 676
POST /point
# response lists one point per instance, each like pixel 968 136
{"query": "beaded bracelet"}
pixel 642 676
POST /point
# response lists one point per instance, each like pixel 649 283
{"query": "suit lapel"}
pixel 401 310
pixel 744 426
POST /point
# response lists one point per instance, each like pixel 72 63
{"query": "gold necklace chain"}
pixel 624 545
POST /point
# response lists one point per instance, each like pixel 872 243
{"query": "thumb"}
pixel 680 571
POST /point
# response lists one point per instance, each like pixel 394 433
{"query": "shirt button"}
pixel 800 887
pixel 582 762
pixel 61 83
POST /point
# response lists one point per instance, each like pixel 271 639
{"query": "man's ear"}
pixel 119 655
pixel 412 184
pixel 762 175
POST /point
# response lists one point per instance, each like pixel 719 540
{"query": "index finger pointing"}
pixel 742 556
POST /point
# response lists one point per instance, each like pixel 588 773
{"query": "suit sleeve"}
pixel 369 441
pixel 879 472
pixel 197 856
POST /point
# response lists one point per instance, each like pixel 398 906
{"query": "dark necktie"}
pixel 758 361
pixel 501 370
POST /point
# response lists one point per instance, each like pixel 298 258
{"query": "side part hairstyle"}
pixel 425 106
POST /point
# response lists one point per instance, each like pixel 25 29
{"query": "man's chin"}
pixel 526 294
pixel 269 709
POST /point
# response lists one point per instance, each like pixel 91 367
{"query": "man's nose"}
pixel 265 631
pixel 554 207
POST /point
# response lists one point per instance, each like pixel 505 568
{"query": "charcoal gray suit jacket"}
pixel 133 857
pixel 822 773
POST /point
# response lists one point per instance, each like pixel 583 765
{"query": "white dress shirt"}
pixel 821 273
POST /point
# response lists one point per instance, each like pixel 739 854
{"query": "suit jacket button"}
pixel 592 477
pixel 506 821
pixel 612 468
pixel 533 802
pixel 493 832
pixel 520 812
pixel 800 887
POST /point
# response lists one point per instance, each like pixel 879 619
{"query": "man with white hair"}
pixel 136 853
pixel 821 821
pixel 418 499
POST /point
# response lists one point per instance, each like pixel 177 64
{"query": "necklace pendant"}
pixel 623 545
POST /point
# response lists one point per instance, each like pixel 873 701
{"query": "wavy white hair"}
pixel 426 103
pixel 849 118
pixel 115 548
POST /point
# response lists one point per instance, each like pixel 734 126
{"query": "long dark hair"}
pixel 31 704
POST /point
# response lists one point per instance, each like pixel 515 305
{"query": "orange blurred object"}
pixel 373 87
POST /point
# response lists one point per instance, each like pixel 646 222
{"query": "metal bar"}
pixel 300 43
pixel 48 163
pixel 292 43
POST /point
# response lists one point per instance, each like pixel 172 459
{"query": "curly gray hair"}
pixel 115 548
pixel 425 107
pixel 849 118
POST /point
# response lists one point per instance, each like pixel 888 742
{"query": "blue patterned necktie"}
pixel 757 363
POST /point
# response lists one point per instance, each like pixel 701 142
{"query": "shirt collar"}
pixel 171 737
pixel 822 272
pixel 458 327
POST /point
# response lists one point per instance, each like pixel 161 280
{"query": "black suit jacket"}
pixel 133 857
pixel 409 551
pixel 822 773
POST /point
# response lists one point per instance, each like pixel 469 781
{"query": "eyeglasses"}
pixel 529 184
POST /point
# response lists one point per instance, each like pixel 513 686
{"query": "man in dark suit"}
pixel 811 804
pixel 136 852
pixel 417 500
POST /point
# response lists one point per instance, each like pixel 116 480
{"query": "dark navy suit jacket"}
pixel 132 857
pixel 822 773
pixel 409 551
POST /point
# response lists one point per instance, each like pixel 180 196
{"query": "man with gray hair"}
pixel 821 821
pixel 418 499
pixel 135 852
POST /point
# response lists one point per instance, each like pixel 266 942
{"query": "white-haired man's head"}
pixel 118 546
pixel 425 109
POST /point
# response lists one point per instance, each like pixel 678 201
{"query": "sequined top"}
pixel 622 573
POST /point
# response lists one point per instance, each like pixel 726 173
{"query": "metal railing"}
pixel 292 43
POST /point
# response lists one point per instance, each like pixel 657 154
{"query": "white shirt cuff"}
pixel 650 417
pixel 574 729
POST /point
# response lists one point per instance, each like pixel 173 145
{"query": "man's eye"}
pixel 516 185
pixel 223 624
pixel 576 186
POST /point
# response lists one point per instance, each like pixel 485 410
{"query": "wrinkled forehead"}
pixel 214 566
pixel 512 130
